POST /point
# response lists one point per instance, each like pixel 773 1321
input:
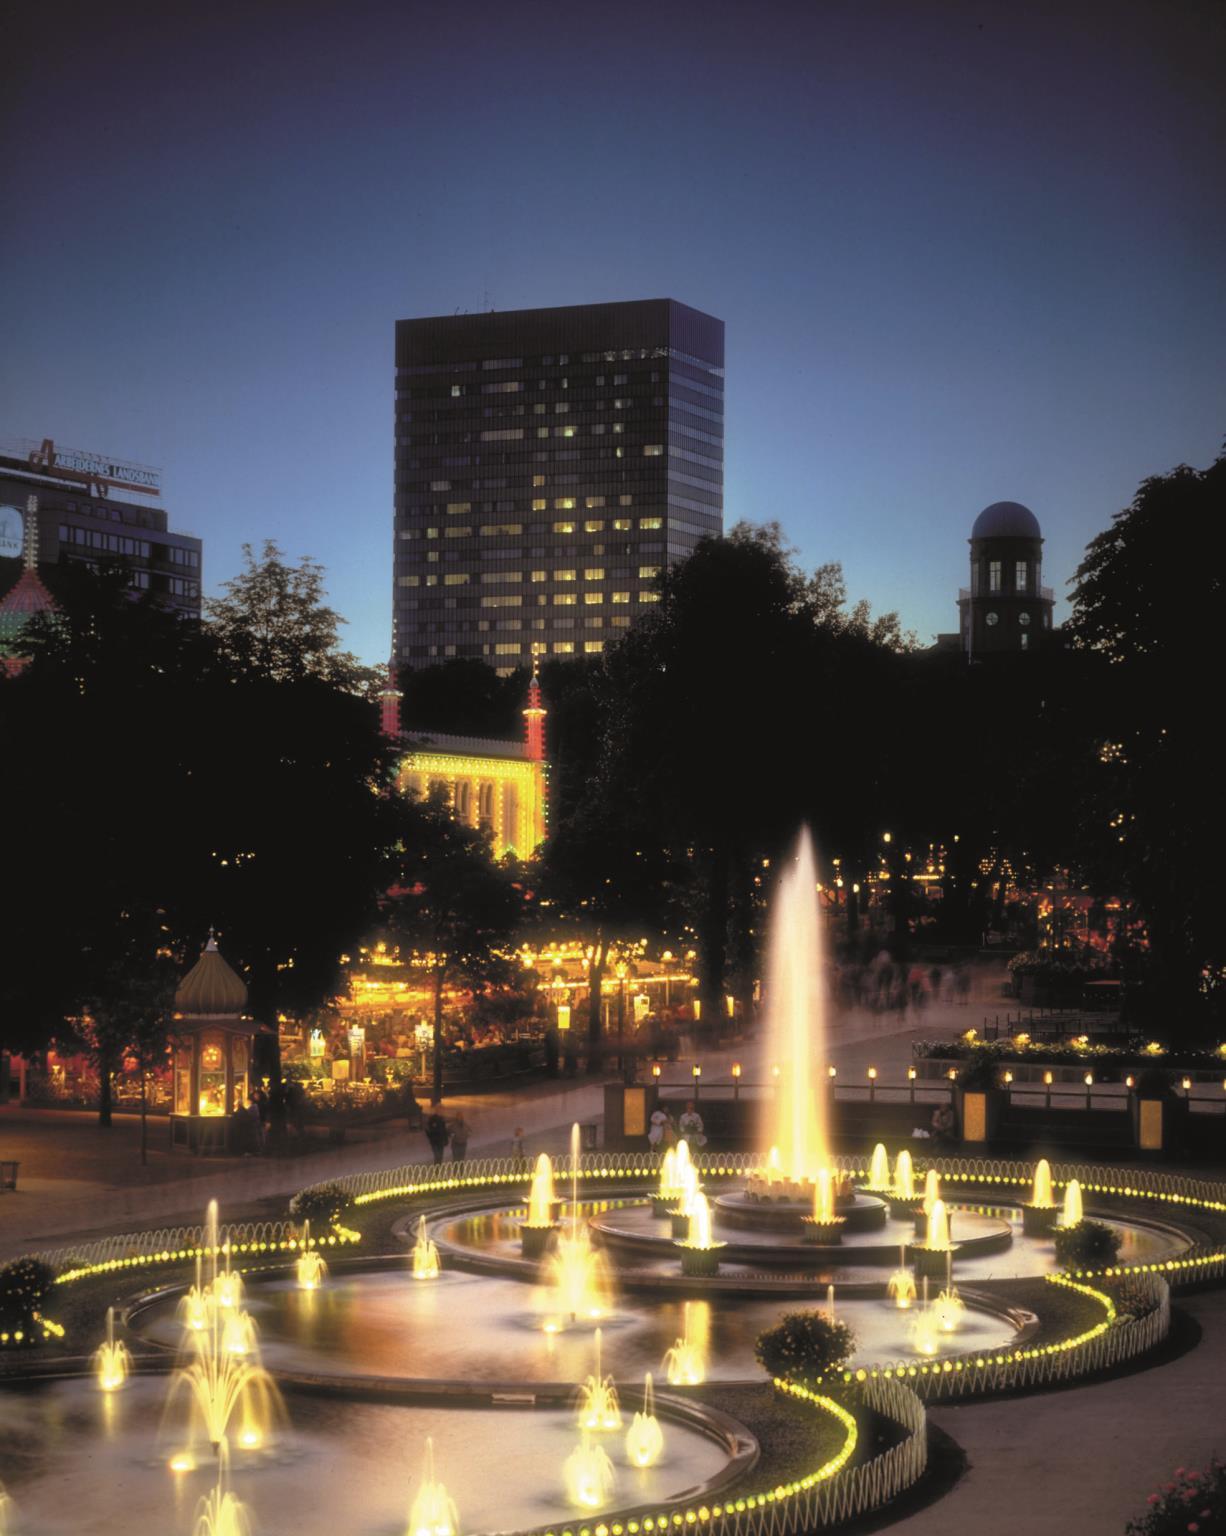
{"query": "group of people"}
pixel 885 985
pixel 665 1132
pixel 442 1133
pixel 264 1118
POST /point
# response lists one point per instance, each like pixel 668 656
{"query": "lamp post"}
pixel 697 1070
pixel 736 1080
pixel 621 1008
pixel 911 1082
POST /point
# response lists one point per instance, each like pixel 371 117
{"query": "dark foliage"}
pixel 804 1347
pixel 24 1285
pixel 1088 1245
pixel 323 1206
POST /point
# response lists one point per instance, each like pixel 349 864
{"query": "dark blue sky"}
pixel 965 252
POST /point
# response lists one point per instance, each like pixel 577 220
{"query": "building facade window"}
pixel 993 575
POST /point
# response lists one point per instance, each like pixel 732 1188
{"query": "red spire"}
pixel 534 719
pixel 389 705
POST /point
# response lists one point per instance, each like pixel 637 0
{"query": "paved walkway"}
pixel 1083 1460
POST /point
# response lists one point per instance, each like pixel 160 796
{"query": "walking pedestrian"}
pixel 436 1130
pixel 459 1138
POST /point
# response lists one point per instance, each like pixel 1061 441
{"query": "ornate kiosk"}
pixel 212 1054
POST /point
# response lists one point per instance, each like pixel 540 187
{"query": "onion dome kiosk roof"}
pixel 212 1056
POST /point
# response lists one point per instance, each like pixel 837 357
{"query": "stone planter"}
pixel 534 1241
pixel 1039 1220
pixel 825 1233
pixel 700 1263
pixel 680 1225
pixel 931 1263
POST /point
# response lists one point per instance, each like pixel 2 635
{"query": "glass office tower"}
pixel 549 464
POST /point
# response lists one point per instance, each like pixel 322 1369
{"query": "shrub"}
pixel 323 1205
pixel 1088 1245
pixel 23 1286
pixel 1132 1300
pixel 981 1072
pixel 1194 1500
pixel 803 1346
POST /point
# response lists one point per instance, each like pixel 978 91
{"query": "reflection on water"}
pixel 347 1466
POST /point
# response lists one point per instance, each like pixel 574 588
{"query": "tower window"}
pixel 993 575
pixel 992 618
pixel 1021 573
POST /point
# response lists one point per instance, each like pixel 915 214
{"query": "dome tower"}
pixel 1006 610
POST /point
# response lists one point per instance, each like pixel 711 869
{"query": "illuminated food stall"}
pixel 212 1054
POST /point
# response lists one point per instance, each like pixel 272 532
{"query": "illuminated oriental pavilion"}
pixel 497 785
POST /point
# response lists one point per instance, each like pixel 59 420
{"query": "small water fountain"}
pixel 666 1196
pixel 227 1282
pixel 699 1251
pixel 688 1189
pixel 1073 1213
pixel 425 1254
pixel 1040 1212
pixel 645 1438
pixel 949 1306
pixel 824 1226
pixel 8 1512
pixel 223 1381
pixel 879 1181
pixel 433 1511
pixel 597 1398
pixel 588 1475
pixel 932 1193
pixel 901 1286
pixel 924 1332
pixel 934 1255
pixel 902 1197
pixel 311 1271
pixel 196 1307
pixel 219 1512
pixel 112 1362
pixel 542 1223
pixel 685 1364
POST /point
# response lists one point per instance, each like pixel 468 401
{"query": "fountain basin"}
pixel 932 1262
pixel 826 1233
pixel 535 1240
pixel 737 1208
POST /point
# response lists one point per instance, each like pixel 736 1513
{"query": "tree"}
pixel 1147 604
pixel 273 623
pixel 463 697
pixel 449 903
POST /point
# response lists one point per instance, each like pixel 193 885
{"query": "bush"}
pixel 1132 1300
pixel 981 1072
pixel 323 1205
pixel 23 1287
pixel 803 1346
pixel 1088 1245
pixel 1194 1500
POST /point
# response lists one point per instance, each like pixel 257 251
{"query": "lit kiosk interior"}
pixel 212 1053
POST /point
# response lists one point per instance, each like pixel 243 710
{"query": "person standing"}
pixel 436 1130
pixel 519 1158
pixel 691 1127
pixel 459 1138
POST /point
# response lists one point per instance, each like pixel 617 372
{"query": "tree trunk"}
pixel 104 1086
pixel 440 974
pixel 713 938
pixel 144 1112
pixel 595 981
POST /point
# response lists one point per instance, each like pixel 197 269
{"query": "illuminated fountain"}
pixel 902 1195
pixel 1073 1213
pixel 224 1383
pixel 311 1271
pixel 685 1364
pixel 111 1361
pixel 433 1511
pixel 1039 1214
pixel 901 1287
pixel 575 1273
pixel 932 1193
pixel 425 1254
pixel 197 1303
pixel 219 1512
pixel 949 1306
pixel 879 1180
pixel 534 1234
pixel 598 1405
pixel 688 1188
pixel 924 1332
pixel 588 1475
pixel 645 1438
pixel 823 1226
pixel 8 1512
pixel 934 1255
pixel 667 1195
pixel 699 1251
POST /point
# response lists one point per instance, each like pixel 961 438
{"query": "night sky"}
pixel 964 252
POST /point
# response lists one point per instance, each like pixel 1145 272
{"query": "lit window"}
pixel 440 485
pixel 542 431
pixel 593 645
pixel 593 525
pixel 457 389
pixel 592 598
pixel 1021 574
pixel 1025 642
pixel 621 597
pixel 564 575
pixel 457 533
pixel 510 600
pixel 564 504
pixel 540 504
pixel 993 575
pixel 564 432
pixel 561 405
pixel 507 649
pixel 538 479
pixel 564 527
pixel 625 501
pixel 456 579
pixel 620 623
pixel 593 573
pixel 649 597
pixel 593 501
pixel 539 576
pixel 622 524
pixel 563 647
pixel 503 435
pixel 651 522
pixel 460 507
pixel 648 572
pixel 653 450
pixel 408 581
pixel 432 581
pixel 564 599
pixel 432 533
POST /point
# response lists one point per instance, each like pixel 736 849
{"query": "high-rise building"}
pixel 549 464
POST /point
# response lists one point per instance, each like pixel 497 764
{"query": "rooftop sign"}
pixel 96 468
